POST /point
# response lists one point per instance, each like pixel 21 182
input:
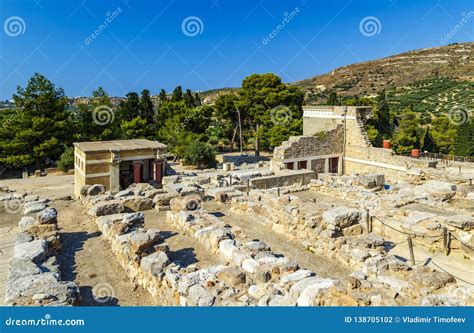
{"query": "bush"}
pixel 66 161
pixel 200 154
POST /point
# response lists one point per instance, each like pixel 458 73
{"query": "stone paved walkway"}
pixel 7 243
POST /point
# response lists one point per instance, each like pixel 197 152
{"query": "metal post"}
pixel 410 247
pixel 367 220
pixel 230 180
pixel 470 182
pixel 278 191
pixel 445 239
pixel 248 186
pixel 448 242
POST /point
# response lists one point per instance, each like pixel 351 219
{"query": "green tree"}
pixel 407 137
pixel 38 128
pixel 444 132
pixel 189 98
pixel 130 107
pixel 464 141
pixel 96 120
pixel 137 128
pixel 226 119
pixel 427 142
pixel 333 99
pixel 66 161
pixel 162 96
pixel 200 154
pixel 380 125
pixel 264 101
pixel 177 94
pixel 146 107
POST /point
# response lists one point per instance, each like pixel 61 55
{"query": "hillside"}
pixel 452 63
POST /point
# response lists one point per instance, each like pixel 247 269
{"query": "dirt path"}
pixel 8 230
pixel 87 258
pixel 184 249
pixel 321 265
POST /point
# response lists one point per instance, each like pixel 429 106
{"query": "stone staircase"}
pixel 362 133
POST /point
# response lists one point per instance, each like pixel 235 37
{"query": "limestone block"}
pixel 95 189
pixel 155 263
pixel 371 180
pixel 33 207
pixel 296 276
pixel 199 296
pixel 231 276
pixel 35 251
pixel 309 295
pixel 438 190
pixel 25 222
pixel 138 204
pixel 250 265
pixel 107 208
pixel 341 217
pixel 186 203
pixel 48 215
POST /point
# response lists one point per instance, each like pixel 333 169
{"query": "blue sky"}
pixel 145 45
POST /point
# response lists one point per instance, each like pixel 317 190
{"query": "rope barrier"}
pixel 460 241
pixel 431 258
pixel 456 277
pixel 404 232
pixel 424 236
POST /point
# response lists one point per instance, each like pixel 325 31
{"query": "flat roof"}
pixel 119 145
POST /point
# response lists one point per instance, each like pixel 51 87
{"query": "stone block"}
pixel 107 208
pixel 155 263
pixel 35 251
pixel 341 217
pixel 138 204
pixel 95 189
pixel 232 276
pixel 33 207
pixel 48 215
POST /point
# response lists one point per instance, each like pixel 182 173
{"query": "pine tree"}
pixel 197 99
pixel 146 107
pixel 427 142
pixel 39 128
pixel 177 94
pixel 464 141
pixel 188 98
pixel 407 137
pixel 162 96
pixel 382 115
pixel 130 108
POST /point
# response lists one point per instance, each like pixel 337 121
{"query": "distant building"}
pixel 117 164
pixel 334 140
pixel 326 131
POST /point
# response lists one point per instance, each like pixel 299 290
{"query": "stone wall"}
pixel 252 275
pixel 360 159
pixel 323 143
pixel 34 276
pixel 339 233
pixel 286 178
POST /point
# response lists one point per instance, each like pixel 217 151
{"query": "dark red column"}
pixel 158 171
pixel 137 166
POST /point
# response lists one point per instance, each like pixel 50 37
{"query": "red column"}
pixel 137 166
pixel 158 171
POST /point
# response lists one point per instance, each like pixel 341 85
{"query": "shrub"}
pixel 66 161
pixel 200 154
